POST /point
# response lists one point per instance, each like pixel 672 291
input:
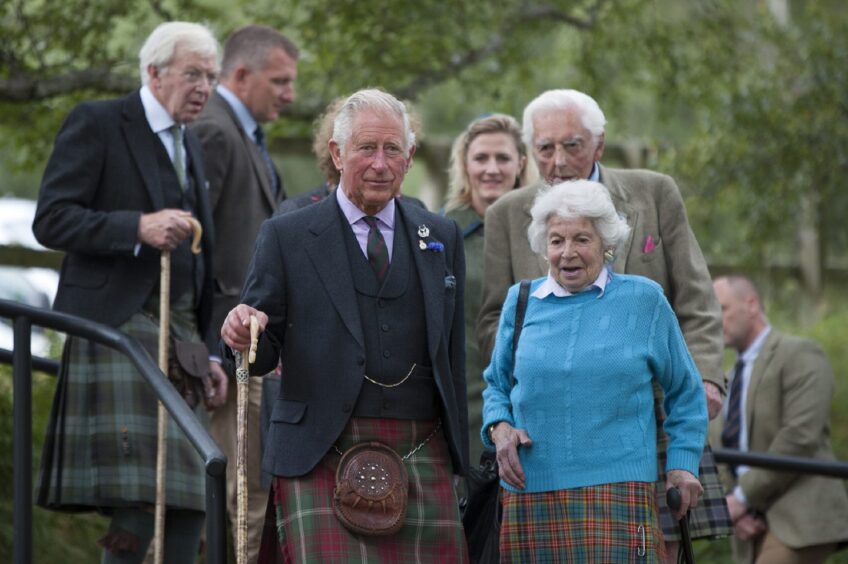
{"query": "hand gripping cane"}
pixel 673 499
pixel 162 442
pixel 243 361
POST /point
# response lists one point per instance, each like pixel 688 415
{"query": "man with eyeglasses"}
pixel 565 129
pixel 123 179
pixel 258 73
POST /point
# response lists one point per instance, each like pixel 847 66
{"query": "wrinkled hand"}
pixel 749 526
pixel 507 439
pixel 714 399
pixel 236 328
pixel 215 387
pixel 164 229
pixel 690 490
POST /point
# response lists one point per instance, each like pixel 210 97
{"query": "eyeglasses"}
pixel 195 76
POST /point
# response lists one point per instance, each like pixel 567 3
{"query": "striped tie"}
pixel 730 433
pixel 378 254
pixel 179 162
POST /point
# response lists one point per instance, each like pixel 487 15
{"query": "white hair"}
pixel 558 100
pixel 577 199
pixel 374 100
pixel 159 47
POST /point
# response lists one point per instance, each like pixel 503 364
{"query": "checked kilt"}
pixel 602 523
pixel 308 530
pixel 710 519
pixel 100 446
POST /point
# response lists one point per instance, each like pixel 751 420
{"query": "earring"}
pixel 608 255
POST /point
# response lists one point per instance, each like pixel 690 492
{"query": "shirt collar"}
pixel 354 214
pixel 157 116
pixel 595 175
pixel 551 286
pixel 242 113
pixel 751 353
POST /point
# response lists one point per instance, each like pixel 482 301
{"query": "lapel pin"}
pixel 423 231
pixel 422 245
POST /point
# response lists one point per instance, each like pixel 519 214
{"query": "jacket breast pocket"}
pixel 288 411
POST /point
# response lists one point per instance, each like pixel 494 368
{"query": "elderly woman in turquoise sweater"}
pixel 570 413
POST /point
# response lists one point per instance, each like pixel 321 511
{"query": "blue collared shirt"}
pixel 354 215
pixel 242 113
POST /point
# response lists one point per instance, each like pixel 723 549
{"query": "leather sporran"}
pixel 188 368
pixel 370 496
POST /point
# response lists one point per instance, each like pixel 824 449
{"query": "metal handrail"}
pixel 24 317
pixel 833 468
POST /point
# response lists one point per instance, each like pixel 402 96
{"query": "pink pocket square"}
pixel 649 245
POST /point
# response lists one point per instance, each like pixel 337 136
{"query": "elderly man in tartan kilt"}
pixel 361 297
pixel 123 178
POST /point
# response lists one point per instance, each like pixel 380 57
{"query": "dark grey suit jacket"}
pixel 101 177
pixel 241 194
pixel 300 276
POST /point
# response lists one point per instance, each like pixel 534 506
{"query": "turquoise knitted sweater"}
pixel 583 386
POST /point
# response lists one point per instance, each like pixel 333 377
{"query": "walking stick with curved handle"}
pixel 162 414
pixel 243 361
pixel 672 498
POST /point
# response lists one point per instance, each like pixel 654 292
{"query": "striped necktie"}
pixel 259 136
pixel 378 254
pixel 732 423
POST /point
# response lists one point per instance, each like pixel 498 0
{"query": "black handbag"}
pixel 481 516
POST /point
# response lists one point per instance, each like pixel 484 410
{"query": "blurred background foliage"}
pixel 744 103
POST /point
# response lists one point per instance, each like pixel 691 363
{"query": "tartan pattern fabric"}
pixel 710 519
pixel 603 523
pixel 378 254
pixel 100 448
pixel 308 530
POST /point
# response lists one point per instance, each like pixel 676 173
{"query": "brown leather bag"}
pixel 188 367
pixel 370 496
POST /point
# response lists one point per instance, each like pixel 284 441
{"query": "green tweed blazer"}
pixel 661 247
pixel 787 412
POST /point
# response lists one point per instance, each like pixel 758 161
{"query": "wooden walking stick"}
pixel 243 361
pixel 162 419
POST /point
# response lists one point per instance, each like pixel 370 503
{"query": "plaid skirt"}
pixel 308 530
pixel 100 445
pixel 710 519
pixel 603 523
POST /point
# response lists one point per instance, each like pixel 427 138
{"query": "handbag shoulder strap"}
pixel 520 310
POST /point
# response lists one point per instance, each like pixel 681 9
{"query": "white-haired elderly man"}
pixel 361 297
pixel 565 130
pixel 122 180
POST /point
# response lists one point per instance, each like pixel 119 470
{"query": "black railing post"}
pixel 22 448
pixel 216 513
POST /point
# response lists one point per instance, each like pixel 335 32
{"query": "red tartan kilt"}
pixel 308 530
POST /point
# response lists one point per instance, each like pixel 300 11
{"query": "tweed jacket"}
pixel 101 177
pixel 661 247
pixel 787 412
pixel 241 194
pixel 300 277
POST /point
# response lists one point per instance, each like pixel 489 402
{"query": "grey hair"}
pixel 159 47
pixel 576 199
pixel 252 46
pixel 589 110
pixel 374 100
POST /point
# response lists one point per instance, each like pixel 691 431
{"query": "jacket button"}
pixel 386 354
pixel 384 327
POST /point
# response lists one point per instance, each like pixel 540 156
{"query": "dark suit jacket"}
pixel 653 207
pixel 300 277
pixel 101 177
pixel 241 194
pixel 787 412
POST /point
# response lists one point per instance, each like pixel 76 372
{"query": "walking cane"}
pixel 672 497
pixel 243 361
pixel 162 419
